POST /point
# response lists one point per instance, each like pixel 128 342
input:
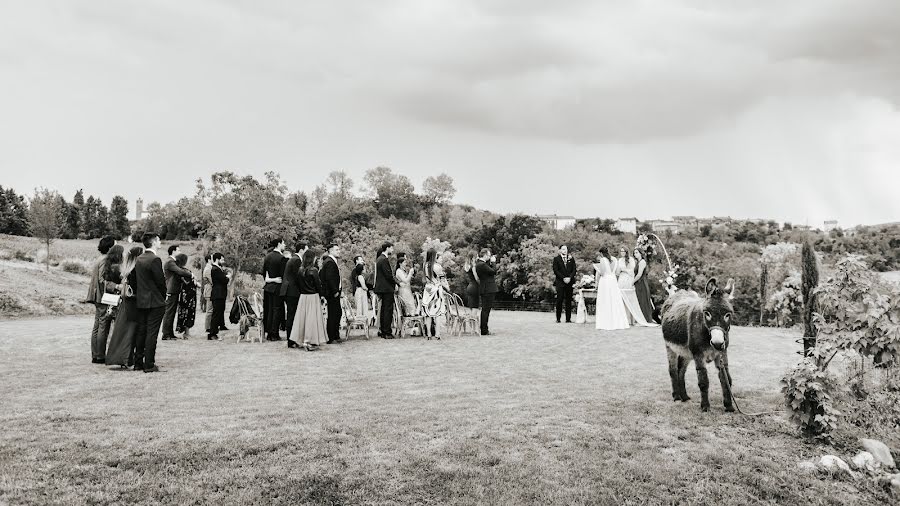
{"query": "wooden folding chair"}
pixel 256 306
pixel 353 320
pixel 409 321
pixel 464 318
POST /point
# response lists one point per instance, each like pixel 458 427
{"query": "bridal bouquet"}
pixel 669 277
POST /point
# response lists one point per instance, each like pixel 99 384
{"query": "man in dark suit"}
pixel 102 318
pixel 217 295
pixel 487 286
pixel 385 285
pixel 564 270
pixel 330 276
pixel 273 306
pixel 174 276
pixel 150 299
pixel 290 290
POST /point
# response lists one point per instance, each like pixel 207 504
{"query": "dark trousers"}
pixel 333 325
pixel 100 332
pixel 386 314
pixel 487 302
pixel 273 309
pixel 148 323
pixel 291 303
pixel 168 323
pixel 217 319
pixel 564 294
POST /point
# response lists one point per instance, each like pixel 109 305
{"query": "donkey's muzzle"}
pixel 717 338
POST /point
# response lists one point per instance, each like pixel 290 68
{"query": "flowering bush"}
pixel 647 246
pixel 668 280
pixel 787 302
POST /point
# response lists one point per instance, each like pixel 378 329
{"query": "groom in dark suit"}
pixel 150 298
pixel 330 276
pixel 564 270
pixel 385 284
pixel 273 305
pixel 487 286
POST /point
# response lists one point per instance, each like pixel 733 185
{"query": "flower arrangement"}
pixel 647 246
pixel 669 277
pixel 587 281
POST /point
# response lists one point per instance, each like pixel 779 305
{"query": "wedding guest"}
pixel 174 277
pixel 282 307
pixel 272 272
pixel 102 321
pixel 207 306
pixel 472 298
pixel 218 293
pixel 404 275
pixel 150 291
pixel 564 270
pixel 110 276
pixel 121 342
pixel 487 286
pixel 290 285
pixel 308 330
pixel 359 287
pixel 187 300
pixel 385 286
pixel 434 302
pixel 332 287
pixel 642 286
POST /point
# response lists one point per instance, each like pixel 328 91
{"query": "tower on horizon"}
pixel 139 209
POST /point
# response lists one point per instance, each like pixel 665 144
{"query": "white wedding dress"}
pixel 611 313
pixel 629 296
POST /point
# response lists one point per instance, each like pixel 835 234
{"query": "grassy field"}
pixel 538 414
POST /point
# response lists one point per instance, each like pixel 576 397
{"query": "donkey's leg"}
pixel 673 373
pixel 725 380
pixel 682 369
pixel 703 382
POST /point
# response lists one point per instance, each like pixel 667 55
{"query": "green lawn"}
pixel 538 414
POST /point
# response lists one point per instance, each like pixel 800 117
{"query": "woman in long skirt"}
pixel 642 286
pixel 308 331
pixel 187 301
pixel 404 277
pixel 121 342
pixel 359 288
pixel 472 288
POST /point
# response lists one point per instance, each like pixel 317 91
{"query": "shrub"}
pixel 10 304
pixel 74 266
pixel 23 256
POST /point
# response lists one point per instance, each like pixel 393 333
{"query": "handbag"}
pixel 110 299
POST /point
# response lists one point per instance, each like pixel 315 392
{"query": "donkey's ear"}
pixel 729 289
pixel 711 286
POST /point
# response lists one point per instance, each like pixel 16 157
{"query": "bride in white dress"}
pixel 626 270
pixel 611 314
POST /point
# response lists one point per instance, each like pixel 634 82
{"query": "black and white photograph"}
pixel 449 252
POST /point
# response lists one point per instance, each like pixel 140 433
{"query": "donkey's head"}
pixel 717 312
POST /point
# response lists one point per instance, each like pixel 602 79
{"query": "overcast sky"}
pixel 749 108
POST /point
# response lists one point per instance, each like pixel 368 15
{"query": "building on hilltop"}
pixel 139 209
pixel 557 222
pixel 830 225
pixel 660 226
pixel 627 225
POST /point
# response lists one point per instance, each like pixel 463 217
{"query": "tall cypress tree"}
pixel 118 217
pixel 809 282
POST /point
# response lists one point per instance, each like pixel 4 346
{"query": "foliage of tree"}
pixel 13 213
pixel 438 190
pixel 859 316
pixel 393 194
pixel 44 215
pixel 809 282
pixel 118 217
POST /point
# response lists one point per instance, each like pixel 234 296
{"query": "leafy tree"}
pixel 340 184
pixel 439 190
pixel 13 213
pixel 506 234
pixel 810 280
pixel 44 215
pixel 245 214
pixel 527 272
pixel 118 220
pixel 393 194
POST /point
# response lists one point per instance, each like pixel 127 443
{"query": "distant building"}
pixel 830 225
pixel 557 222
pixel 139 209
pixel 627 225
pixel 659 226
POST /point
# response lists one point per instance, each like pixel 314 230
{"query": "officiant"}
pixel 564 270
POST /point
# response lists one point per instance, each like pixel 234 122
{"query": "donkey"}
pixel 696 328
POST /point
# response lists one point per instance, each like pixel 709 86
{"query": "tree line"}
pixel 79 219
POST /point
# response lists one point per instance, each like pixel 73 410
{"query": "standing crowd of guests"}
pixel 137 296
